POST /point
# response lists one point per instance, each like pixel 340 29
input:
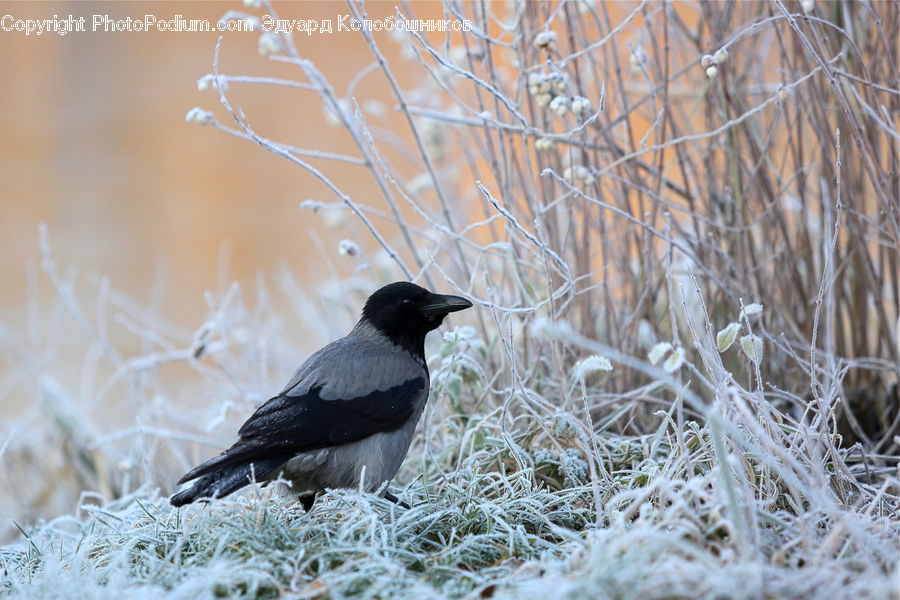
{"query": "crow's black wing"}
pixel 308 422
pixel 287 425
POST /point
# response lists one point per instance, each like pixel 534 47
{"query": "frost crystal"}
pixel 675 360
pixel 658 351
pixel 646 336
pixel 559 105
pixel 580 105
pixel 348 248
pixel 545 40
pixel 591 364
pixel 579 173
pixel 544 145
pixel 751 309
pixel 269 44
pixel 198 116
pixel 545 329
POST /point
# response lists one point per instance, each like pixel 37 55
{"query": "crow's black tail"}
pixel 226 480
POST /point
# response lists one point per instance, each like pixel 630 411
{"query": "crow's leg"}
pixel 395 500
pixel 307 500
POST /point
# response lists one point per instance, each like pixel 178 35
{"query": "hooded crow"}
pixel 347 416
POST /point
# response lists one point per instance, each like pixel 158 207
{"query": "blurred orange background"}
pixel 95 145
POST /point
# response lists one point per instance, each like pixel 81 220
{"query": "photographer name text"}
pixel 266 23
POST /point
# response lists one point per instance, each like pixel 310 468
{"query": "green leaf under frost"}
pixel 753 347
pixel 725 338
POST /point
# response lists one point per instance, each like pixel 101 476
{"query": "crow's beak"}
pixel 438 305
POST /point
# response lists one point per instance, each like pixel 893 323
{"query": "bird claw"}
pixel 396 500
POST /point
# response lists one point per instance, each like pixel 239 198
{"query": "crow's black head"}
pixel 405 312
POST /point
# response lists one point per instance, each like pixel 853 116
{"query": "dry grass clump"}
pixel 680 226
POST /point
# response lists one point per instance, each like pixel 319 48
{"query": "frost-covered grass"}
pixel 749 504
pixel 679 228
pixel 669 525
